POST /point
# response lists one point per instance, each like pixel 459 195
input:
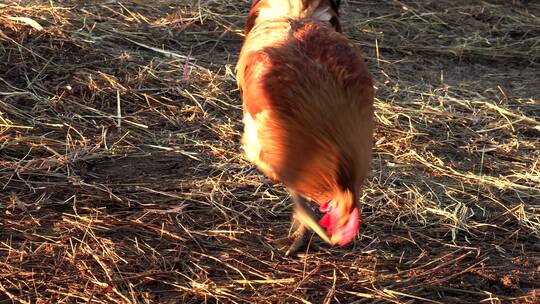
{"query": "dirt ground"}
pixel 121 178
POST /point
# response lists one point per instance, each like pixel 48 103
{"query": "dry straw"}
pixel 121 179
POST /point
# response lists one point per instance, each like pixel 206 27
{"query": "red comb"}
pixel 330 220
pixel 350 229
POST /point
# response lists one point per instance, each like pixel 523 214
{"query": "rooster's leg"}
pixel 304 218
pixel 296 240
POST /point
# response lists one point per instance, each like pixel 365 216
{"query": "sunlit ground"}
pixel 122 180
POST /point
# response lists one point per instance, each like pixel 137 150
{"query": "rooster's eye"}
pixel 334 21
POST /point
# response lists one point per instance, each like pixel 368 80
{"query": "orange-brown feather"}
pixel 315 89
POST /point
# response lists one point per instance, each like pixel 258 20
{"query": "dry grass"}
pixel 121 179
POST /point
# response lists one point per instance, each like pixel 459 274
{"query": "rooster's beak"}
pixel 307 217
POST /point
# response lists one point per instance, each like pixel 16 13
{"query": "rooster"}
pixel 308 113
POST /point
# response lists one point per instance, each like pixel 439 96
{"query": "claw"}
pixel 292 244
pixel 304 218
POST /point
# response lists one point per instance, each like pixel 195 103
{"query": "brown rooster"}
pixel 308 112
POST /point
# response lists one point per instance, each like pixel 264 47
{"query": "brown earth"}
pixel 157 205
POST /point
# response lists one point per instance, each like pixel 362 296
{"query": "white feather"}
pixel 322 14
pixel 250 141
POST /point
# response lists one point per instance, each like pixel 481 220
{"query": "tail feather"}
pixel 320 10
